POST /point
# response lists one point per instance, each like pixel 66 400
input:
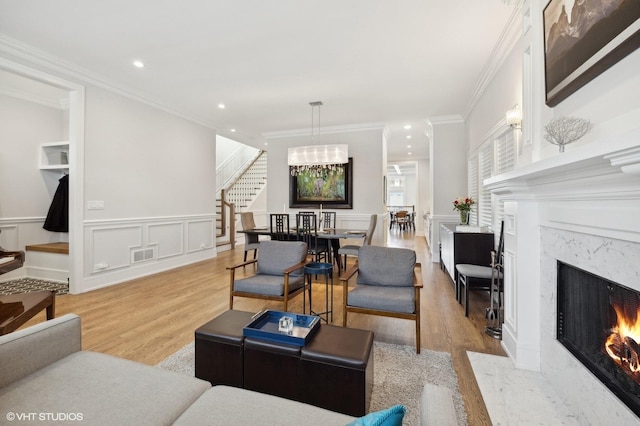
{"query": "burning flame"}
pixel 622 344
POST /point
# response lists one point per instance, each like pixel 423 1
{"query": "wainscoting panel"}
pixel 168 237
pixel 110 248
pixel 124 249
pixel 9 237
pixel 200 234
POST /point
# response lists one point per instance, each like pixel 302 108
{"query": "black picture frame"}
pixel 332 190
pixel 599 39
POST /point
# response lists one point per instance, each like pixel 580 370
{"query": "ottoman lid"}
pixel 226 328
pixel 271 346
pixel 349 347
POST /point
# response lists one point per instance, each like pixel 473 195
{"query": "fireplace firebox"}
pixel 599 323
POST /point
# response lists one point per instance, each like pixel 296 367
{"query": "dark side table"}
pixel 326 269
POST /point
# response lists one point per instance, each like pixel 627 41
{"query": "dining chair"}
pixel 251 241
pixel 279 275
pixel 402 218
pixel 328 220
pixel 280 230
pixel 479 277
pixel 307 231
pixel 392 219
pixel 388 284
pixel 352 249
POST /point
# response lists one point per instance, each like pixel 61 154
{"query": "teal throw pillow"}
pixel 389 417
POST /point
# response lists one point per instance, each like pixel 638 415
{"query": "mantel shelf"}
pixel 594 169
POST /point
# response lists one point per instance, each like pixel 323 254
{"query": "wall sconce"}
pixel 514 117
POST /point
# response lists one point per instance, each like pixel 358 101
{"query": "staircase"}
pixel 238 195
pixel 243 191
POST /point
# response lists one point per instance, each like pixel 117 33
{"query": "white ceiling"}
pixel 369 61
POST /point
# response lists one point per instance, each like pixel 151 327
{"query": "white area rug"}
pixel 399 375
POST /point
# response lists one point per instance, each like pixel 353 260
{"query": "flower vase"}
pixel 464 217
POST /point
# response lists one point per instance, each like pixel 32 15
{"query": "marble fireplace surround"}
pixel 581 207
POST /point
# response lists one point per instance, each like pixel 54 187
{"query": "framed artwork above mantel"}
pixel 331 188
pixel 584 39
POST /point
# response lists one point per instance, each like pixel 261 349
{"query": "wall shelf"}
pixel 54 156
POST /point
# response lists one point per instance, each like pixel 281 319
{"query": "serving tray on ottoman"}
pixel 265 326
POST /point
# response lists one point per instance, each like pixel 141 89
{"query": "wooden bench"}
pixel 49 261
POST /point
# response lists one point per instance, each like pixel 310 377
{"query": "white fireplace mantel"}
pixel 581 207
pixel 594 189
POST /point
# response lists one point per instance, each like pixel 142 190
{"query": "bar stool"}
pixel 326 269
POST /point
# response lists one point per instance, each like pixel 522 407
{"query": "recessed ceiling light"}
pixel 138 64
pixel 408 136
pixel 222 106
pixel 233 130
pixel 409 153
pixel 407 126
pixel 408 146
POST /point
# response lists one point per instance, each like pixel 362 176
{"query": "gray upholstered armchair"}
pixel 388 284
pixel 279 276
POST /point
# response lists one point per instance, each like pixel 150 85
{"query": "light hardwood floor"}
pixel 148 319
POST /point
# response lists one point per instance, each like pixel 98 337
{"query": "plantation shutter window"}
pixel 485 163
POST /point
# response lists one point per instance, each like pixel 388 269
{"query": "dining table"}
pixel 334 235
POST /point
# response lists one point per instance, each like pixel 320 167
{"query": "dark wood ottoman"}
pixel 336 370
pixel 219 349
pixel 272 367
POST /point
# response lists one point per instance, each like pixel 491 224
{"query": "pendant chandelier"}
pixel 317 160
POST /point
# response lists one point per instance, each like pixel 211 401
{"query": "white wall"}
pixel 423 205
pixel 25 190
pixel 143 162
pixel 448 175
pixel 155 173
pixel 225 147
pixel 502 93
pixel 365 147
pixel 448 165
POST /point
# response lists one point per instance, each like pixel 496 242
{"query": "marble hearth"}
pixel 582 208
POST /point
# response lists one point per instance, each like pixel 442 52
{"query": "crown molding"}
pixel 362 127
pixel 30 97
pixel 49 63
pixel 509 38
pixel 445 119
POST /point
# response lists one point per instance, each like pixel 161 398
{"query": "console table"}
pixel 464 247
